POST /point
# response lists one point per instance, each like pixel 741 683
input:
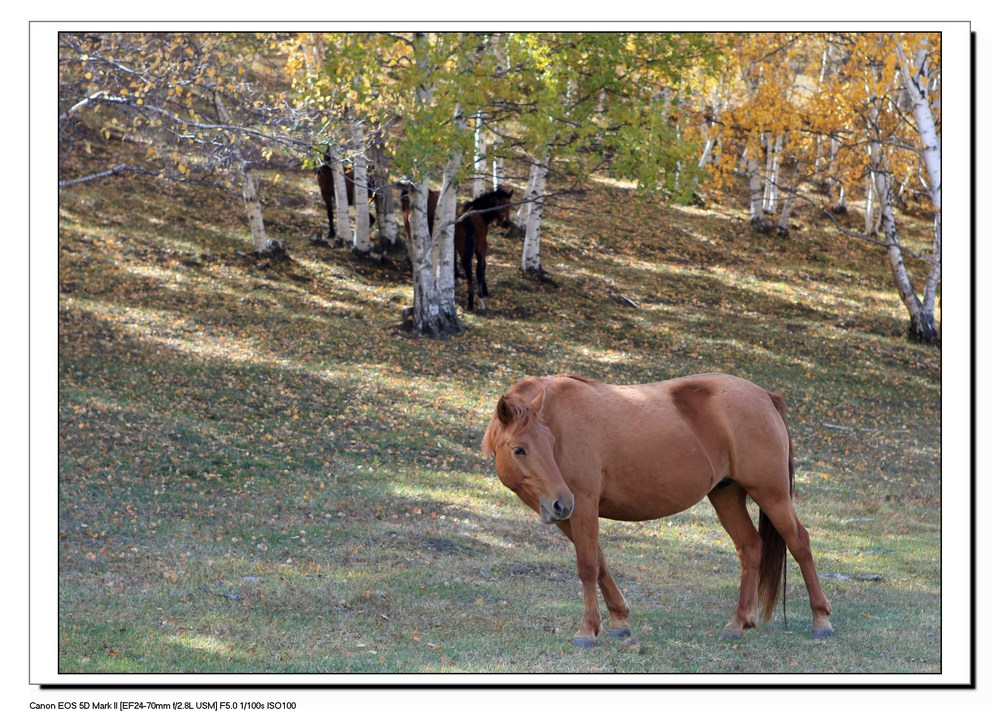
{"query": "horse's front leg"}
pixel 618 608
pixel 583 527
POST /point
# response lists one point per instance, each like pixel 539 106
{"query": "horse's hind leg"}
pixel 730 503
pixel 467 268
pixel 481 274
pixel 472 294
pixel 782 515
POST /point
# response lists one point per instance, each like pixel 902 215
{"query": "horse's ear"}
pixel 505 414
pixel 538 403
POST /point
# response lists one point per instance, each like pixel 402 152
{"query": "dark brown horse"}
pixel 575 450
pixel 470 237
pixel 404 203
pixel 324 176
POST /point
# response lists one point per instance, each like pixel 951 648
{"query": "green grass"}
pixel 259 473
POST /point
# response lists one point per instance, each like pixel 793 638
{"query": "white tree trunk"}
pixel 756 192
pixel 922 325
pixel 250 190
pixel 706 153
pixel 531 253
pixel 255 212
pixel 342 216
pixel 772 181
pixel 678 166
pixel 426 300
pixel 502 68
pixel 498 173
pixel 433 312
pixel 520 218
pixel 870 222
pixel 444 241
pixel 768 203
pixel 480 157
pixel 788 203
pixel 362 221
pixel 923 114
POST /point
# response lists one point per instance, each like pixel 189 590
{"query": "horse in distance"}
pixel 471 237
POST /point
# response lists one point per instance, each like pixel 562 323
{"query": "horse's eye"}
pixel 518 451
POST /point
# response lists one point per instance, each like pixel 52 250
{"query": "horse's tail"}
pixel 773 560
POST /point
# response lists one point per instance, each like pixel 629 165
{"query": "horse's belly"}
pixel 654 497
pixel 666 470
pixel 649 510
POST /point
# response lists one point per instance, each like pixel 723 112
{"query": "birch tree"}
pixel 362 244
pixel 920 78
pixel 888 63
pixel 481 156
pixel 342 215
pixel 587 98
pixel 534 200
pixel 191 100
pixel 250 188
pixel 416 88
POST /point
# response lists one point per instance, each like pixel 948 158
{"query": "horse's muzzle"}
pixel 556 510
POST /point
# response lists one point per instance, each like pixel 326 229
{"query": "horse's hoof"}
pixel 731 635
pixel 822 633
pixel 620 633
pixel 584 642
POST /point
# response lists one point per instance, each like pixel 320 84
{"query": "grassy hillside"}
pixel 260 473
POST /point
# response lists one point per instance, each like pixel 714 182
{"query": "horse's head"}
pixel 523 449
pixel 503 202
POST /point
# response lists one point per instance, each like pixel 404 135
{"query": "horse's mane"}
pixel 514 411
pixel 488 199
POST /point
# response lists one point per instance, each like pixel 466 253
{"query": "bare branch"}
pixel 115 170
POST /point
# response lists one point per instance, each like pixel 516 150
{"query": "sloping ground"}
pixel 260 473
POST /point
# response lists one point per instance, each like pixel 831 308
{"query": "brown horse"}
pixel 470 237
pixel 575 450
